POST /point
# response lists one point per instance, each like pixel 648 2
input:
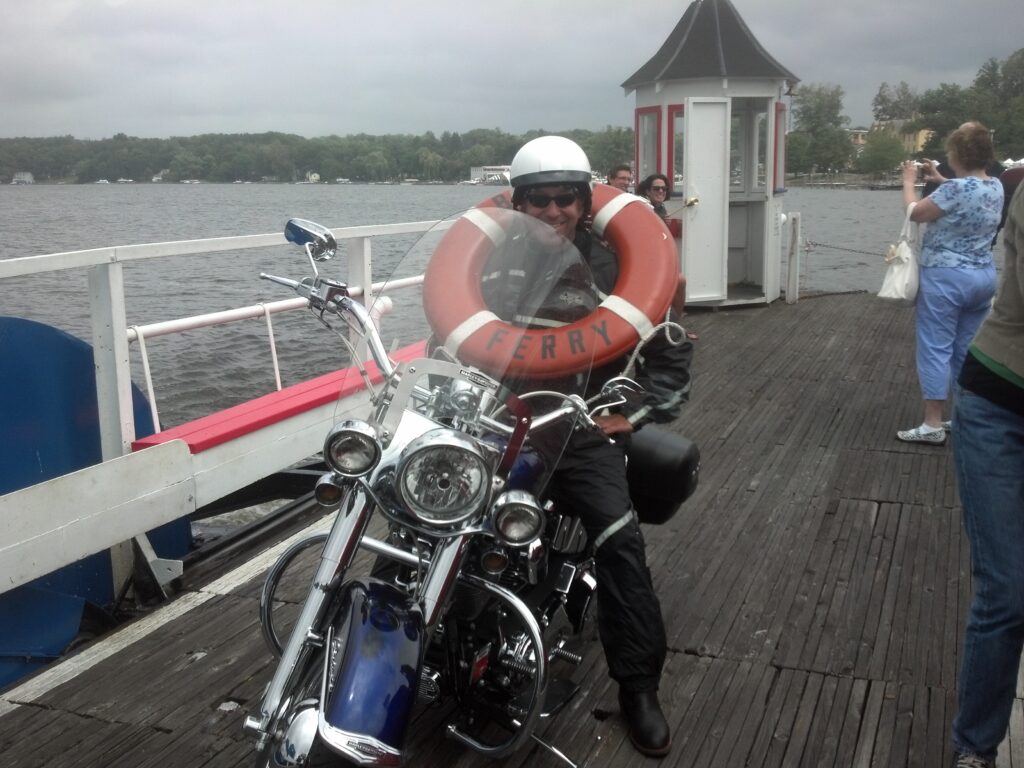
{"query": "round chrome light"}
pixel 328 490
pixel 442 477
pixel 494 561
pixel 352 448
pixel 517 518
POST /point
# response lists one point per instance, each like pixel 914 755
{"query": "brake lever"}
pixel 321 292
pixel 293 284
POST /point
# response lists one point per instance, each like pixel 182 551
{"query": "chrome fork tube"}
pixel 443 573
pixel 339 549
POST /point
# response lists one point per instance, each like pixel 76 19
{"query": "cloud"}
pixel 93 68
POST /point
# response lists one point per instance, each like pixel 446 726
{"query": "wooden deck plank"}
pixel 789 711
pixel 831 738
pixel 855 717
pixel 833 629
pixel 798 623
pixel 814 589
pixel 883 754
pixel 850 623
pixel 696 727
pixel 884 638
pixel 817 723
pixel 912 652
pixel 903 723
pixel 937 749
pixel 887 523
pixel 772 727
pixel 736 703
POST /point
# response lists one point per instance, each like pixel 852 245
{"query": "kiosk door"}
pixel 705 198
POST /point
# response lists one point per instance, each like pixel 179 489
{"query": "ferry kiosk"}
pixel 710 116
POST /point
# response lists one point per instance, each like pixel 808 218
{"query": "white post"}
pixel 360 275
pixel 110 357
pixel 113 383
pixel 359 272
pixel 114 404
pixel 793 260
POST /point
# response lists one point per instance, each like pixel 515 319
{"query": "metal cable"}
pixel 809 244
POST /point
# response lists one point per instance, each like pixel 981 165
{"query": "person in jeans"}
pixel 957 276
pixel 988 449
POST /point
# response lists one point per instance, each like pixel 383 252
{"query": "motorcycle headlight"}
pixel 442 477
pixel 517 518
pixel 352 448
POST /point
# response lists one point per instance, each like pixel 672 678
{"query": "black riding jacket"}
pixel 512 284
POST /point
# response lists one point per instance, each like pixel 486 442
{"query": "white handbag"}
pixel 900 282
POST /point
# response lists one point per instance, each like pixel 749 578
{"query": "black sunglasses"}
pixel 659 189
pixel 540 200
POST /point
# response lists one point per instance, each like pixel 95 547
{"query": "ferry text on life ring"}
pixel 458 316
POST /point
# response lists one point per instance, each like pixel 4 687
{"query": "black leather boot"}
pixel 648 729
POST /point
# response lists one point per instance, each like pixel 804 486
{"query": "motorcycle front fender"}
pixel 374 660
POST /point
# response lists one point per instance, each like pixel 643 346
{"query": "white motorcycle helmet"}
pixel 551 160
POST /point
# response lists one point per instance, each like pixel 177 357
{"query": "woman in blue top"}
pixel 957 277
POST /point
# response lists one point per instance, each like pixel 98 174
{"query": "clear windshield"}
pixel 500 314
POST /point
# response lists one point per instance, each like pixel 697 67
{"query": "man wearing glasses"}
pixel 551 182
pixel 620 177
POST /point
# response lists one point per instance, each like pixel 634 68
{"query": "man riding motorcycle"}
pixel 551 181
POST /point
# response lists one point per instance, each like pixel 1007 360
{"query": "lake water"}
pixel 199 371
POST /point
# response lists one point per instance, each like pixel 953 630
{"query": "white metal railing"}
pixel 161 485
pixel 166 483
pixel 111 333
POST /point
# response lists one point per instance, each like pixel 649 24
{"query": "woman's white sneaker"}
pixel 923 434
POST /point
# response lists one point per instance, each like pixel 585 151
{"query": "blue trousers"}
pixel 988 447
pixel 952 303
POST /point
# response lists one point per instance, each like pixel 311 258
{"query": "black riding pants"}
pixel 590 480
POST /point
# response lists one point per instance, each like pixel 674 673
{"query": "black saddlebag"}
pixel 663 470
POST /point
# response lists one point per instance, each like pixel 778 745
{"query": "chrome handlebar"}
pixel 326 295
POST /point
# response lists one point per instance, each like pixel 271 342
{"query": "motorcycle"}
pixel 481 589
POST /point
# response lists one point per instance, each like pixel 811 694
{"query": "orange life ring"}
pixel 648 276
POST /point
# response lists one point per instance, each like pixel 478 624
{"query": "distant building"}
pixel 490 174
pixel 913 141
pixel 23 177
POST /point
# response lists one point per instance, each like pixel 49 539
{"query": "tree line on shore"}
pixel 819 140
pixel 287 157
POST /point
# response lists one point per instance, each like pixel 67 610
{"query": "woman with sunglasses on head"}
pixel 551 182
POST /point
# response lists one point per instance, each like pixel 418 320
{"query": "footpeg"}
pixel 564 655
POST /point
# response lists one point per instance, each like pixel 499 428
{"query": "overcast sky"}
pixel 158 68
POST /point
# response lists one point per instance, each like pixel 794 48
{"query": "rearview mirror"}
pixel 320 240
